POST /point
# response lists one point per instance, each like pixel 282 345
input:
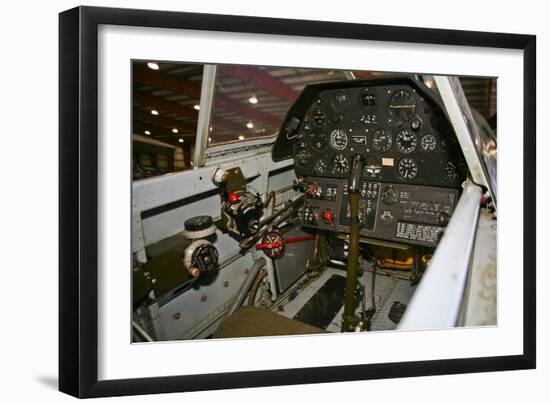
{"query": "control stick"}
pixel 350 321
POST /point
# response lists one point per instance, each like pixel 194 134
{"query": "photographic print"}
pixel 335 201
pixel 249 201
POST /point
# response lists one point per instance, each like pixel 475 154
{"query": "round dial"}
pixel 320 167
pixel 428 142
pixel 367 98
pixel 340 164
pixel 339 101
pixel 407 168
pixel 372 167
pixel 319 117
pixel 338 139
pixel 273 244
pixel 301 154
pixel 382 140
pixel 452 171
pixel 406 141
pixel 317 139
pixel 402 105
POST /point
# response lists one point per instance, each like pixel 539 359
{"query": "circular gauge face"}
pixel 452 171
pixel 372 167
pixel 428 142
pixel 402 105
pixel 320 167
pixel 319 117
pixel 317 139
pixel 382 140
pixel 339 101
pixel 340 164
pixel 338 139
pixel 407 168
pixel 406 141
pixel 301 154
pixel 367 98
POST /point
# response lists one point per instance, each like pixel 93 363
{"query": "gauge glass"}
pixel 406 141
pixel 338 139
pixel 402 105
pixel 340 164
pixel 320 167
pixel 368 99
pixel 339 101
pixel 319 117
pixel 428 142
pixel 372 167
pixel 382 140
pixel 407 168
pixel 317 139
pixel 301 154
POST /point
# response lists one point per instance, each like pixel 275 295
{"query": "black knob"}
pixel 390 196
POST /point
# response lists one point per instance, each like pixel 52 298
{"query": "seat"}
pixel 249 321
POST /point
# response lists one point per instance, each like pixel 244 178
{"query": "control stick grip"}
pixel 355 173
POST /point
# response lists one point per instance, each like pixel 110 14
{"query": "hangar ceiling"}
pixel 250 101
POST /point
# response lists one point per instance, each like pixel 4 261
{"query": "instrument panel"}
pixel 397 212
pixel 410 151
pixel 397 130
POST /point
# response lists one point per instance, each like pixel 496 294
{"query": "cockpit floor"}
pixel 320 303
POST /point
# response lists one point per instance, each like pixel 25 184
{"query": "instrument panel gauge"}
pixel 302 154
pixel 382 140
pixel 407 168
pixel 368 99
pixel 372 168
pixel 340 164
pixel 317 139
pixel 406 141
pixel 338 139
pixel 339 101
pixel 319 116
pixel 402 105
pixel 320 167
pixel 428 142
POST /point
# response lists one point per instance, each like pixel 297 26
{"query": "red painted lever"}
pixel 277 244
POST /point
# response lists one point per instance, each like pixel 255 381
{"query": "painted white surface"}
pixel 118 359
pixel 29 341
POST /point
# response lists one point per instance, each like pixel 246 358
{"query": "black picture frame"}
pixel 78 200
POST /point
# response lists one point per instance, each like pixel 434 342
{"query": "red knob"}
pixel 233 197
pixel 328 216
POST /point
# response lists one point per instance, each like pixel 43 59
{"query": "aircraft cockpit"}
pixel 291 201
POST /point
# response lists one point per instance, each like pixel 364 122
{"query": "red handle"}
pixel 277 244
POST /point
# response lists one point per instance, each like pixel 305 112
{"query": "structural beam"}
pixel 152 101
pixel 360 74
pixel 164 121
pixel 260 79
pixel 159 131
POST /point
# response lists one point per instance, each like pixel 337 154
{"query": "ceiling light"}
pixel 197 107
pixel 180 140
pixel 153 66
pixel 249 125
pixel 147 132
pixel 154 112
pixel 209 139
pixel 241 137
pixel 253 99
pixel 174 130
